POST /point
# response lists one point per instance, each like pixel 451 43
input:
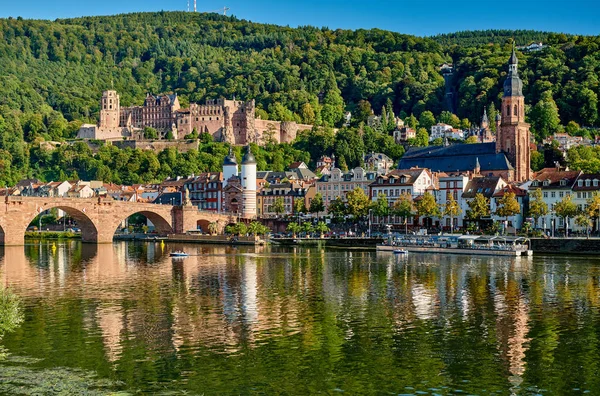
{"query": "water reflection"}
pixel 241 320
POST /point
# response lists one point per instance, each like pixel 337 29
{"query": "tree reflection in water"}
pixel 272 320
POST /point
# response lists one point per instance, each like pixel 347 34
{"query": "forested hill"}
pixel 307 74
pixel 52 74
pixel 492 36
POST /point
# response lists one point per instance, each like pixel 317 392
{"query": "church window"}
pixel 508 110
pixel 516 111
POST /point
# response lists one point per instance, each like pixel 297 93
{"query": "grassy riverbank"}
pixel 52 235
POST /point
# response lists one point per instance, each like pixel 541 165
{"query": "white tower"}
pixel 249 185
pixel 230 167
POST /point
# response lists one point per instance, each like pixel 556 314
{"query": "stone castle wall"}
pixel 183 146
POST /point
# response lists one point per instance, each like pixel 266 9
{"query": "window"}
pixel 553 194
pixel 545 194
pixel 580 183
pixel 561 194
pixel 587 182
pixel 563 182
pixel 508 110
pixel 516 112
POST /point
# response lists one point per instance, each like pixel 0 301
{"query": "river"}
pixel 126 317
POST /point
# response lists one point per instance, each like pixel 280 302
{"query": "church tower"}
pixel 513 137
pixel 110 110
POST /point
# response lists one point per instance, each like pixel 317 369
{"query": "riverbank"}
pixel 51 235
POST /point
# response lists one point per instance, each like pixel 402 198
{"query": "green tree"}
pixel 299 206
pixel 11 314
pixel 421 138
pixel 583 221
pixel 357 203
pixel 278 206
pixel 321 228
pixel 479 207
pixel 337 208
pixel 316 204
pixel 307 228
pixel 472 140
pixel 150 133
pixel 294 228
pixel 565 209
pixel 537 207
pixel 404 207
pixel 537 161
pixel 544 116
pixel 426 120
pixel 427 207
pixel 508 206
pixel 451 209
pixel 381 207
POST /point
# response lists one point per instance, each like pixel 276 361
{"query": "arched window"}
pixel 516 112
pixel 508 110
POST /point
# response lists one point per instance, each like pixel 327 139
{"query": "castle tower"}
pixel 249 185
pixel 110 110
pixel 230 167
pixel 513 136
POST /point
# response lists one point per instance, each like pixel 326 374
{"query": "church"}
pixel 508 157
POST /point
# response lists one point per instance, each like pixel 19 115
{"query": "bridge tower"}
pixel 230 167
pixel 249 184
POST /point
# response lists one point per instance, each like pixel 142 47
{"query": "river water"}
pixel 300 321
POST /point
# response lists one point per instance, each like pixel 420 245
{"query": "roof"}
pixel 482 185
pixel 591 177
pixel 551 178
pixel 230 159
pixel 248 157
pixel 395 177
pixel 456 158
pixel 509 188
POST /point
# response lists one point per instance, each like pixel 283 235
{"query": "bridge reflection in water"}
pixel 474 323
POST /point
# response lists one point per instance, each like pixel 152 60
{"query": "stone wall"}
pixel 570 246
pixel 157 146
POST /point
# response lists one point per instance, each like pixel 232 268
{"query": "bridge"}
pixel 99 218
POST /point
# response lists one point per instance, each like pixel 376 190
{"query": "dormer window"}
pixel 595 182
pixel 535 183
pixel 403 179
pixel 546 182
pixel 563 182
pixel 580 183
pixel 588 182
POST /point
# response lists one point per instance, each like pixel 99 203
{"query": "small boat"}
pixel 178 253
pixel 400 251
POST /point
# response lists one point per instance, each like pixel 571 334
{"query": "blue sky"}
pixel 419 17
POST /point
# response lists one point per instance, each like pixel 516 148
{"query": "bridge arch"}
pixel 88 227
pixel 162 222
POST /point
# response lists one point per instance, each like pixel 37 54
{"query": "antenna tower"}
pixel 188 5
pixel 194 5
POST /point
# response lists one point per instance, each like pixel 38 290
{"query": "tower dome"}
pixel 513 86
pixel 230 159
pixel 248 157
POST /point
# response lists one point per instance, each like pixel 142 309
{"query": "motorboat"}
pixel 400 251
pixel 178 253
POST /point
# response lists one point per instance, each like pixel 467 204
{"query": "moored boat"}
pixel 178 253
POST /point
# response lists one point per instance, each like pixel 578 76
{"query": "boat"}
pixel 400 251
pixel 464 244
pixel 178 253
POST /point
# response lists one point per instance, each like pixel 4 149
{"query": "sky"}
pixel 417 17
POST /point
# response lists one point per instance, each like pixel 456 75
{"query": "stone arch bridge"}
pixel 99 218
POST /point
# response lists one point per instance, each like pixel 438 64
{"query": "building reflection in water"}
pixel 227 299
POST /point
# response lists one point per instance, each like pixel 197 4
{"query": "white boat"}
pixel 400 251
pixel 178 253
